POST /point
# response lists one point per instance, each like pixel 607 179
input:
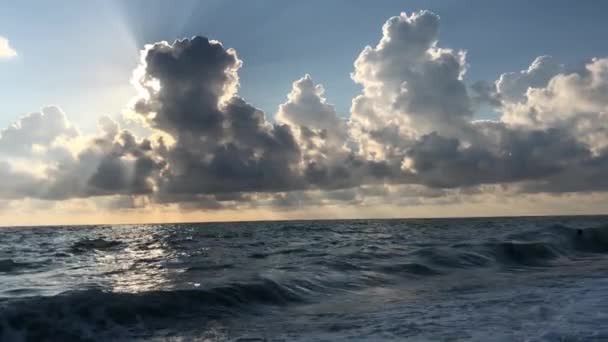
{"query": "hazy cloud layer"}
pixel 410 135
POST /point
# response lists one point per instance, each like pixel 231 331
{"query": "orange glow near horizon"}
pixel 531 205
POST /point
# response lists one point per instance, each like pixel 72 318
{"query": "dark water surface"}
pixel 503 279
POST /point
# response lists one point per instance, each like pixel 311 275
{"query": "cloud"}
pixel 113 162
pixel 222 143
pixel 410 139
pixel 576 101
pixel 36 129
pixel 410 83
pixel 506 156
pixel 319 131
pixel 328 159
pixel 6 50
pixel 18 184
pixel 109 163
pixel 306 107
pixel 513 86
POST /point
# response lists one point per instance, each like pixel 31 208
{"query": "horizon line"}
pixel 303 220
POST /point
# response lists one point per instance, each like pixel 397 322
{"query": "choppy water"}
pixel 504 279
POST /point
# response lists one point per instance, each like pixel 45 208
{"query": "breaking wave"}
pixel 84 315
pixel 534 248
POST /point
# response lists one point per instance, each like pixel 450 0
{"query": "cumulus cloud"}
pixel 410 136
pixel 506 156
pixel 318 128
pixel 221 143
pixel 576 101
pixel 328 155
pixel 6 50
pixel 513 86
pixel 306 107
pixel 411 86
pixel 551 136
pixel 36 129
pixel 113 162
pixel 109 163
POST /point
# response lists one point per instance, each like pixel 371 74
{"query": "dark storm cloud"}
pixel 587 176
pixel 222 144
pixel 512 156
pixel 193 75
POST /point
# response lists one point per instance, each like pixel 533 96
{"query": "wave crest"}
pixel 86 245
pixel 82 315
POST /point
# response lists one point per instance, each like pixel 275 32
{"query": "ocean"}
pixel 465 279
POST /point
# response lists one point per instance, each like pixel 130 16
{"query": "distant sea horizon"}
pixel 131 223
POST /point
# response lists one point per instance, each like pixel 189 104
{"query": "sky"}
pixel 275 109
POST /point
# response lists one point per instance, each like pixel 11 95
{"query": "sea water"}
pixel 478 279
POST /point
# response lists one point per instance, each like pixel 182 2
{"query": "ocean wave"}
pixel 85 245
pixel 95 314
pixel 508 253
pixel 594 240
pixel 287 251
pixel 450 258
pixel 567 239
pixel 532 248
pixel 83 315
pixel 209 267
pixel 410 269
pixel 10 266
pixel 340 265
pixel 524 253
pixel 286 275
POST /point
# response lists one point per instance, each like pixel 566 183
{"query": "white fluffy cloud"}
pixel 6 50
pixel 40 129
pixel 409 81
pixel 320 133
pixel 513 86
pixel 306 107
pixel 575 101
